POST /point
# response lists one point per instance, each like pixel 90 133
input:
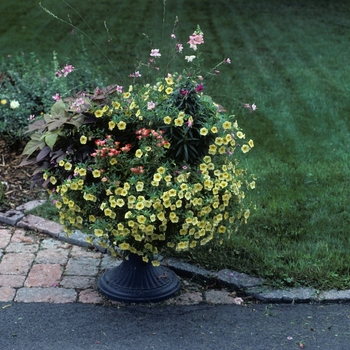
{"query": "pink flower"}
pixel 155 53
pixel 184 92
pixel 151 105
pixel 31 117
pixel 173 36
pixel 59 73
pixel 195 39
pixel 56 97
pixel 119 89
pixel 252 107
pixel 179 47
pixel 228 61
pixel 68 68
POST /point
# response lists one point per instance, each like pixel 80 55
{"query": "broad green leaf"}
pixel 50 139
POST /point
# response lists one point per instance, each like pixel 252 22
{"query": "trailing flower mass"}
pixel 147 165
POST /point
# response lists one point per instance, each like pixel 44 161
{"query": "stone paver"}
pixel 14 281
pixel 46 295
pixel 90 296
pixel 7 294
pixel 78 282
pixel 16 264
pixel 83 252
pixel 19 247
pixel 82 267
pixel 52 256
pixel 5 238
pixel 44 275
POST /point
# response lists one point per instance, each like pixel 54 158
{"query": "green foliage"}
pixel 27 87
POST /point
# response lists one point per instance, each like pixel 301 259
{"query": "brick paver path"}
pixel 37 268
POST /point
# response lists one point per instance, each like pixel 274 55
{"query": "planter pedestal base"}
pixel 134 281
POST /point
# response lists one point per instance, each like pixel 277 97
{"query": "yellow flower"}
pixel 169 81
pixel 167 120
pixel 58 205
pixel 240 135
pixel 99 113
pixel 155 263
pixel 126 94
pixel 141 219
pixel 214 129
pixel 222 229
pixel 212 149
pixel 53 180
pixel 226 125
pixel 251 143
pixel 222 150
pixel 245 148
pixel 116 104
pixel 139 206
pixel 168 90
pixel 120 202
pixel 219 141
pixel 111 125
pixel 83 139
pixel 124 246
pixel 3 102
pixel 178 121
pixel 182 245
pixel 139 186
pixel 161 216
pixel 98 232
pixel 82 172
pixel 203 131
pixel 96 173
pixel 138 153
pixel 121 125
pixel 68 166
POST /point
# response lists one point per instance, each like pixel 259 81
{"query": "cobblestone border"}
pixel 239 282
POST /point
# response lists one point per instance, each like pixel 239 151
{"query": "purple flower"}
pixel 199 88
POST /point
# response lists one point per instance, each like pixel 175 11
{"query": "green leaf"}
pixel 34 144
pixel 58 110
pixel 51 138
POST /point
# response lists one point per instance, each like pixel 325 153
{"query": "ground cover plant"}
pixel 291 59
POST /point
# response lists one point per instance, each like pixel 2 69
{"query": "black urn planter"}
pixel 135 281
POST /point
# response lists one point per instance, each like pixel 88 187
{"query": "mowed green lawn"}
pixel 291 59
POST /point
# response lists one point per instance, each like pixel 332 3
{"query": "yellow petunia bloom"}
pixel 121 125
pixel 67 166
pixel 83 140
pixel 203 131
pixel 138 153
pixel 96 173
pixel 226 125
pixel 111 125
pixel 168 90
pixel 98 232
pixel 245 148
pixel 99 113
pixel 167 120
pixel 178 121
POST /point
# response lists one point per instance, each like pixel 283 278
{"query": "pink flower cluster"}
pixel 195 39
pixel 104 151
pixel 68 68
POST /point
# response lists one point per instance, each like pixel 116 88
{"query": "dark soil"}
pixel 15 180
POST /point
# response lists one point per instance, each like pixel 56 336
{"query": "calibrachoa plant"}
pixel 145 166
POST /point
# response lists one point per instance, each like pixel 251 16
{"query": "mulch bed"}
pixel 15 180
